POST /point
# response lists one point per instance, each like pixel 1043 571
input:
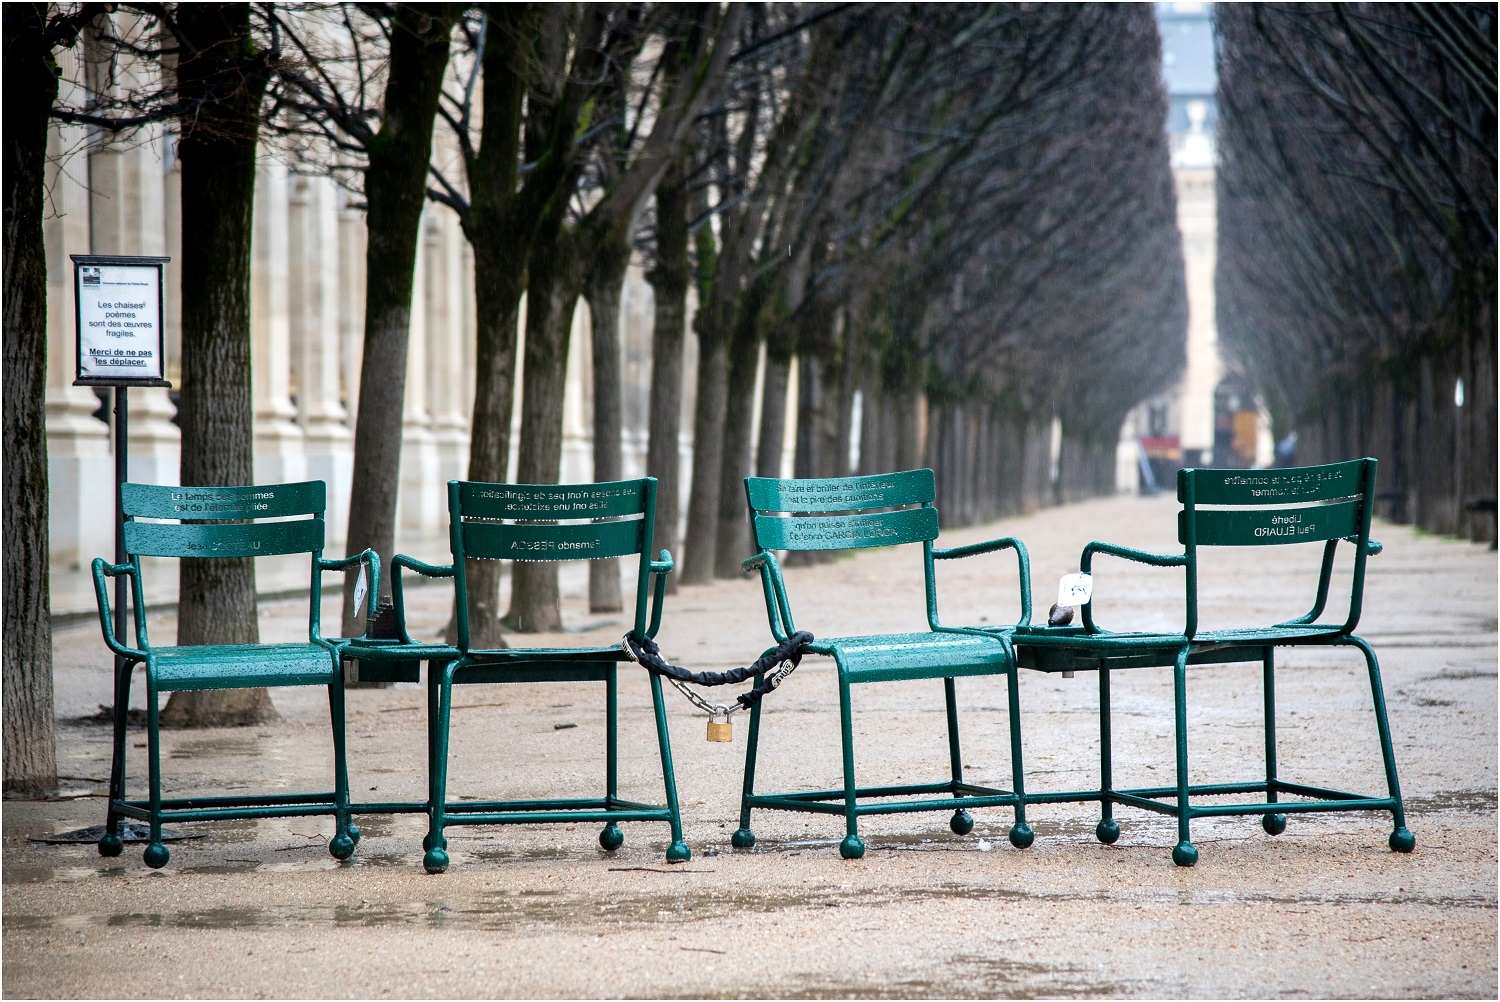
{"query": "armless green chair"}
pixel 1313 504
pixel 855 512
pixel 209 522
pixel 539 522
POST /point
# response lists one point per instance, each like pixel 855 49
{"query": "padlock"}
pixel 720 730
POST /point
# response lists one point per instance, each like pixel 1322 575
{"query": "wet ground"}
pixel 1325 909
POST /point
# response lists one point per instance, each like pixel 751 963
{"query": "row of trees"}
pixel 1356 279
pixel 956 214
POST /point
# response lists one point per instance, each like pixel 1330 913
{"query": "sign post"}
pixel 119 304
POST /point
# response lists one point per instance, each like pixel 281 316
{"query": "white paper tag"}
pixel 1075 589
pixel 361 588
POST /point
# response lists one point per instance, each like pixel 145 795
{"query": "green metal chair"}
pixel 1313 504
pixel 836 514
pixel 213 523
pixel 539 522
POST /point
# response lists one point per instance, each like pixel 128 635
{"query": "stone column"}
pixel 127 208
pixel 351 304
pixel 422 507
pixel 315 336
pixel 578 401
pixel 279 456
pixel 446 335
pixel 80 470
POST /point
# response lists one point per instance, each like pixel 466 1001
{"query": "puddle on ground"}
pixel 509 910
pixel 1473 801
pixel 248 746
pixel 986 977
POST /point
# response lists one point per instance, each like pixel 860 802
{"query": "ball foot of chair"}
pixel 435 861
pixel 1184 854
pixel 611 838
pixel 1021 835
pixel 111 845
pixel 1402 840
pixel 341 847
pixel 353 832
pixel 743 838
pixel 1107 831
pixel 853 847
pixel 1274 824
pixel 156 855
pixel 961 823
pixel 431 841
pixel 678 852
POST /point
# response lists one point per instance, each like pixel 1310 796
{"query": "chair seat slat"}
pixel 845 532
pixel 261 539
pixel 883 490
pixel 1259 527
pixel 224 503
pixel 589 541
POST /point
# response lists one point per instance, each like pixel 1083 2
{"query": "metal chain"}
pixel 712 709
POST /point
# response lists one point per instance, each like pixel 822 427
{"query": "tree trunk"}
pixel 498 284
pixel 395 191
pixel 708 455
pixel 773 414
pixel 30 725
pixel 552 292
pixel 732 534
pixel 669 281
pixel 216 596
pixel 605 279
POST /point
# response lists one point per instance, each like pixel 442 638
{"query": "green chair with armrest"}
pixel 1314 504
pixel 854 512
pixel 193 523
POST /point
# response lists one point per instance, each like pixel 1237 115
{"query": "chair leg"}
pixel 441 685
pixel 1401 840
pixel 1108 829
pixel 962 821
pixel 1184 853
pixel 156 854
pixel 1274 824
pixel 341 846
pixel 744 837
pixel 678 851
pixel 611 837
pixel 852 847
pixel 111 844
pixel 1021 835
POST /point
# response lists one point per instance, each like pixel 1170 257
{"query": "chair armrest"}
pixel 1086 563
pixel 1126 553
pixel 343 563
pixel 101 595
pixel 778 608
pixel 1373 547
pixel 660 568
pixel 398 594
pixel 1023 567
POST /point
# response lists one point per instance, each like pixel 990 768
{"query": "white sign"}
pixel 1075 589
pixel 119 319
pixel 361 588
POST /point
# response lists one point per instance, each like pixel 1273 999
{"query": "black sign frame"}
pixel 160 263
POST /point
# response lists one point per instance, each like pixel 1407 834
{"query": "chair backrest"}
pixel 551 522
pixel 835 513
pixel 218 521
pixel 1306 504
